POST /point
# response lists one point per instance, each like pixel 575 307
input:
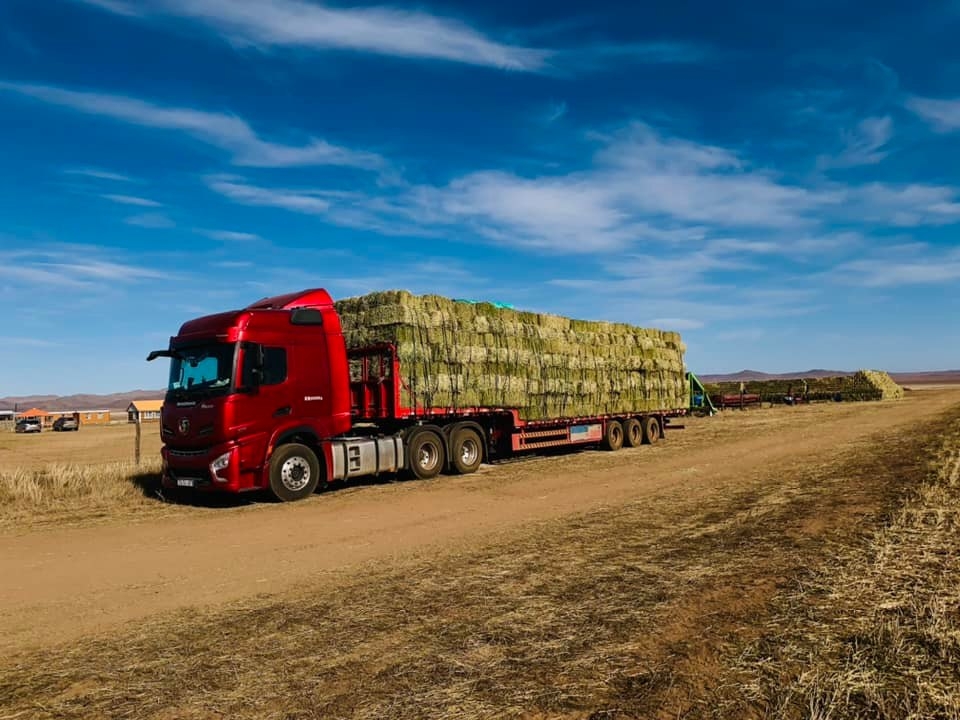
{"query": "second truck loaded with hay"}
pixel 296 389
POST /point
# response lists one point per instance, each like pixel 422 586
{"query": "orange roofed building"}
pixel 145 410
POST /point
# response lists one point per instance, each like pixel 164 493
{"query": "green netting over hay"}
pixel 457 355
pixel 861 385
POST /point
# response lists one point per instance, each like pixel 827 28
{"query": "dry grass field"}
pixel 791 563
pixel 90 445
pixel 76 476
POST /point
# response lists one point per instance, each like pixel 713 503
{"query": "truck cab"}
pixel 245 382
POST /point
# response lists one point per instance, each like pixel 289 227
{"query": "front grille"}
pixel 186 453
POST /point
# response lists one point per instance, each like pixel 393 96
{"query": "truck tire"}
pixel 466 451
pixel 651 430
pixel 632 433
pixel 294 472
pixel 426 452
pixel 613 436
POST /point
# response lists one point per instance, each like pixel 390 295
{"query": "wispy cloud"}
pixel 98 174
pixel 131 200
pixel 302 201
pixel 27 342
pixel 644 188
pixel 381 30
pixel 554 112
pixel 909 205
pixel 151 221
pixel 227 132
pixel 678 323
pixel 863 145
pixel 912 264
pixel 76 267
pixel 943 115
pixel 600 56
pixel 228 235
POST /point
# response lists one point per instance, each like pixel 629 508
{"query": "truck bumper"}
pixel 215 468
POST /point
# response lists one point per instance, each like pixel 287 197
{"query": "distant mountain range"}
pixel 120 401
pixel 937 377
pixel 116 401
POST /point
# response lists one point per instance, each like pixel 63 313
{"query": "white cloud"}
pixel 382 30
pixel 98 174
pixel 862 146
pixel 642 190
pixel 300 201
pixel 27 342
pixel 227 132
pixel 912 264
pixel 555 112
pixel 131 200
pixel 228 235
pixel 942 115
pixel 677 323
pixel 151 221
pixel 600 56
pixel 75 267
pixel 903 205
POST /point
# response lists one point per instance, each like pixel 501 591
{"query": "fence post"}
pixel 136 452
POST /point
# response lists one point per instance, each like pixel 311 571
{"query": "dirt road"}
pixel 61 585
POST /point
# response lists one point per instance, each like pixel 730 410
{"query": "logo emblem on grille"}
pixel 184 426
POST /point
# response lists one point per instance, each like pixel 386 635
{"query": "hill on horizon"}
pixel 83 401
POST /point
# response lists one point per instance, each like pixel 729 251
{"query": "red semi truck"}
pixel 269 397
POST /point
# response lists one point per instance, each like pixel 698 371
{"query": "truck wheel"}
pixel 651 430
pixel 632 433
pixel 294 472
pixel 466 451
pixel 426 454
pixel 613 436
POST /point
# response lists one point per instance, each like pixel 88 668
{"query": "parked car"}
pixel 28 425
pixel 63 424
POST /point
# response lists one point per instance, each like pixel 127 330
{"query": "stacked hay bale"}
pixel 889 390
pixel 460 355
pixel 861 385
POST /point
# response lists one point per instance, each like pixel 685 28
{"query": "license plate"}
pixel 186 482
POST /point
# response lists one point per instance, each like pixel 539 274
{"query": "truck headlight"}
pixel 221 463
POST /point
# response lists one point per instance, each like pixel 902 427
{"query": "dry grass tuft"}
pixel 62 490
pixel 875 631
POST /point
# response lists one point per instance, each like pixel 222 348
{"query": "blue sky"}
pixel 777 181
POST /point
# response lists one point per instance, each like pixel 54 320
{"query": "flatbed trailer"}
pixel 287 421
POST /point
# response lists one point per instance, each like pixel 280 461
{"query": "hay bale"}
pixel 860 386
pixel 889 390
pixel 457 355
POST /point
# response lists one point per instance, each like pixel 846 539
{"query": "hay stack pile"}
pixel 457 355
pixel 889 390
pixel 861 385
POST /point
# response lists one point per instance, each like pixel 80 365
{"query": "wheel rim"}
pixel 636 434
pixel 469 452
pixel 428 456
pixel 654 431
pixel 295 474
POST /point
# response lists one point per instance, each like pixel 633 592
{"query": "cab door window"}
pixel 274 365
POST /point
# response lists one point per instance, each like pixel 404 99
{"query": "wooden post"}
pixel 136 452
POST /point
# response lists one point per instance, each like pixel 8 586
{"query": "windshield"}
pixel 202 369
